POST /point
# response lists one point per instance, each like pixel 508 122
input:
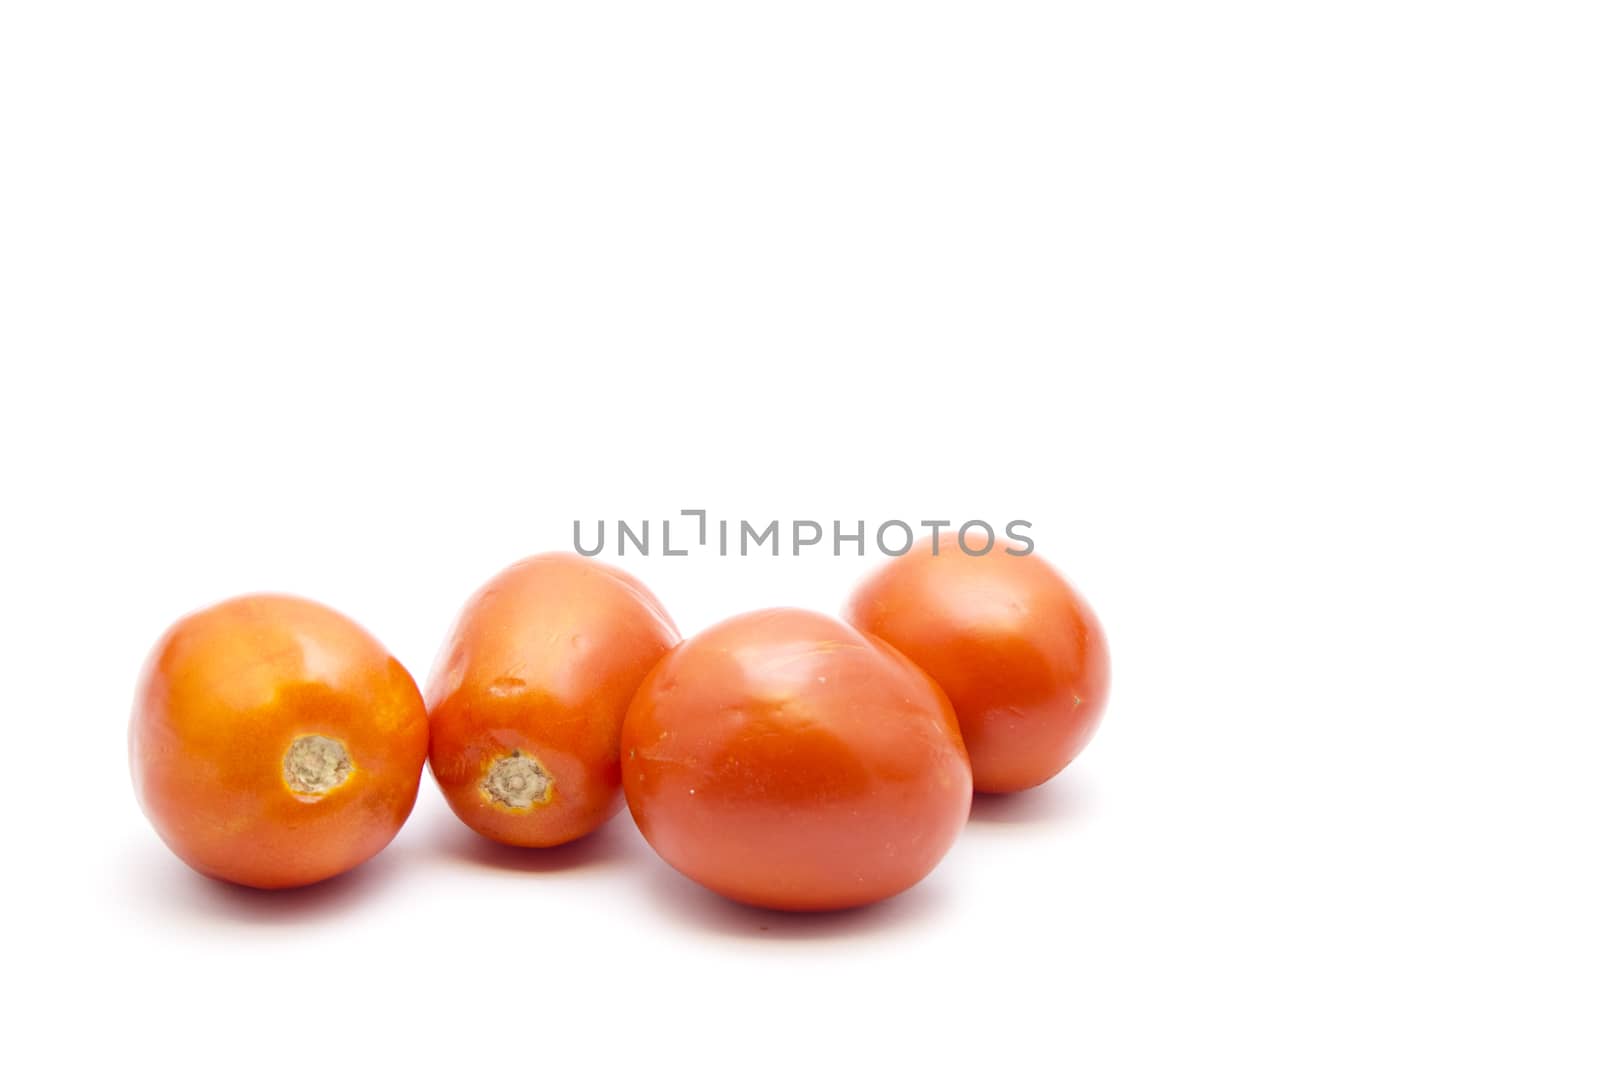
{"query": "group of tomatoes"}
pixel 781 758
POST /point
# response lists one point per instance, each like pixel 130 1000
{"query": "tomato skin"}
pixel 225 695
pixel 1018 651
pixel 535 679
pixel 784 760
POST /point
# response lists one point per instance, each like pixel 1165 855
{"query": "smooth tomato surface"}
pixel 527 700
pixel 1019 652
pixel 785 760
pixel 274 742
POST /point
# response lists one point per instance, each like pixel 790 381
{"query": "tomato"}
pixel 1017 650
pixel 274 742
pixel 785 760
pixel 527 700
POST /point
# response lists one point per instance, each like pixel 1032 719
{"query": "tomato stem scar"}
pixel 518 782
pixel 315 765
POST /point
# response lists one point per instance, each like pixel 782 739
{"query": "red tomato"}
pixel 526 704
pixel 1017 650
pixel 274 742
pixel 785 760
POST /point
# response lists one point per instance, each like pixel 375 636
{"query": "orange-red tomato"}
pixel 785 760
pixel 1017 650
pixel 527 700
pixel 275 743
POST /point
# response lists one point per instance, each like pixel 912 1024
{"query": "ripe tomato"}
pixel 527 700
pixel 1017 650
pixel 275 743
pixel 784 760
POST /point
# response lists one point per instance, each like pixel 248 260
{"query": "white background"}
pixel 1278 320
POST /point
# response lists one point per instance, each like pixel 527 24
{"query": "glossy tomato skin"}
pixel 275 743
pixel 527 699
pixel 1018 651
pixel 784 760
